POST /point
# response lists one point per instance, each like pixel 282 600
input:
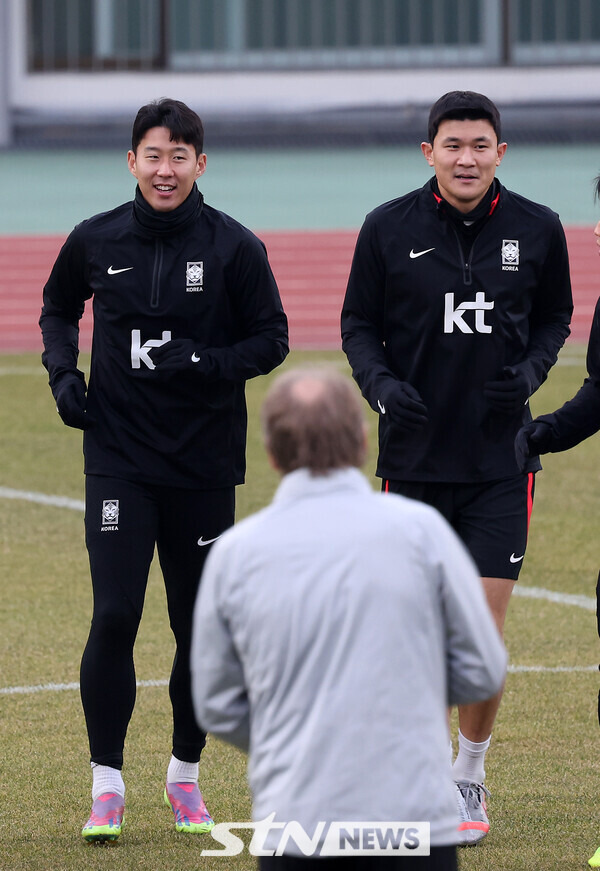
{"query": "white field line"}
pixel 512 669
pixel 42 498
pixel 585 602
pixel 578 601
pixel 551 669
pixel 22 370
pixel 61 687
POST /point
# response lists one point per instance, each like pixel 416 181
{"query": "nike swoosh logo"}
pixel 202 543
pixel 380 406
pixel 112 271
pixel 195 358
pixel 516 559
pixel 414 253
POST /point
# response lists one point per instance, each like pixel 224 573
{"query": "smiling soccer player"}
pixel 186 309
pixel 458 302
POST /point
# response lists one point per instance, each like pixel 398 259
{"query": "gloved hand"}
pixel 401 403
pixel 69 394
pixel 176 355
pixel 510 393
pixel 532 439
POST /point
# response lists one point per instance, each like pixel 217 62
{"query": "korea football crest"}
pixel 194 276
pixel 510 255
pixel 110 515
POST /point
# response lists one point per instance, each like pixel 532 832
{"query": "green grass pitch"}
pixel 543 764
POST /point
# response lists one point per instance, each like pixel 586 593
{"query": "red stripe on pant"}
pixel 530 482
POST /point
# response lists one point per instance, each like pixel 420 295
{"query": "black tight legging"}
pixel 174 520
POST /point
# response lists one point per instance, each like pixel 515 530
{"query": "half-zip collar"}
pixel 467 225
pixel 484 209
pixel 164 223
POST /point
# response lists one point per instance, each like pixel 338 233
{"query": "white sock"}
pixel 469 762
pixel 182 772
pixel 106 779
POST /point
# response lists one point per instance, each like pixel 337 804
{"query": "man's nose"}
pixel 467 156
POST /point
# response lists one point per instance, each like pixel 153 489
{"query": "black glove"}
pixel 176 355
pixel 401 403
pixel 532 439
pixel 510 393
pixel 69 394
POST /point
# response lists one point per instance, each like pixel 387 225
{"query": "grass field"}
pixel 543 765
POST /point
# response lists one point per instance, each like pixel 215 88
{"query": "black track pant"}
pixel 123 523
pixel 441 859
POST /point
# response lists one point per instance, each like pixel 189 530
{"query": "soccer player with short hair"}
pixel 186 309
pixel 457 304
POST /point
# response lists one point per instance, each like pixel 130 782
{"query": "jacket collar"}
pixel 484 209
pixel 164 223
pixel 301 483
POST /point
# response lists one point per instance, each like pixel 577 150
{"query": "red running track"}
pixel 311 269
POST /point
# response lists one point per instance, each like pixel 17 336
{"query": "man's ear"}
pixel 427 149
pixel 200 165
pixel 131 164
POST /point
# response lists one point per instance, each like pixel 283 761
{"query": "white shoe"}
pixel 473 823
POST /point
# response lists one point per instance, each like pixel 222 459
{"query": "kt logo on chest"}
pixel 468 316
pixel 140 353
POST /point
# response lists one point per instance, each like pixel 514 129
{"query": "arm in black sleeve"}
pixel 579 418
pixel 362 319
pixel 551 312
pixel 549 321
pixel 548 328
pixel 260 325
pixel 63 305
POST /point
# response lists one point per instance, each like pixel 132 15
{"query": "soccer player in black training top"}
pixel 578 419
pixel 457 304
pixel 186 309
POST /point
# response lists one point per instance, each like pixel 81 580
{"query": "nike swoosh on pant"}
pixel 202 543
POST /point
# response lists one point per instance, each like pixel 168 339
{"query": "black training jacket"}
pixel 419 309
pixel 192 273
pixel 579 418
